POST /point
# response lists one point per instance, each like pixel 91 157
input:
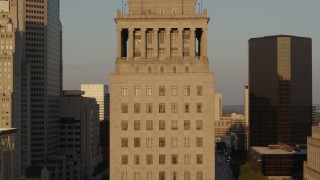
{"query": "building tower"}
pixel 246 105
pixel 280 87
pixel 312 166
pixel 161 94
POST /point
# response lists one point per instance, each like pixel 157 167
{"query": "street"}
pixel 223 171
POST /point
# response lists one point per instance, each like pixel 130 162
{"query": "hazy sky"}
pixel 89 38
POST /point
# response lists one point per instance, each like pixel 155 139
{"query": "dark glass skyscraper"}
pixel 280 87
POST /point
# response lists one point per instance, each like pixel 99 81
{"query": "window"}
pixel 199 90
pixel 186 107
pixel 199 107
pixel 186 159
pixel 187 175
pixel 137 91
pixel 136 159
pixel 149 108
pixel 199 175
pixel 162 142
pixel 137 52
pixel 174 37
pixel 162 91
pixel 124 142
pixel 149 125
pixel 136 107
pixel 149 37
pixel 162 108
pixel 162 36
pixel 174 142
pixel 149 69
pixel 136 124
pixel 124 90
pixel 161 69
pixel 124 175
pixel 174 175
pixel 149 175
pixel 149 90
pixel 124 159
pixel 124 125
pixel 199 158
pixel 124 108
pixel 174 90
pixel 199 141
pixel 149 159
pixel 186 90
pixel 149 53
pixel 186 142
pixel 186 125
pixel 174 107
pixel 174 52
pixel 174 125
pixel 199 125
pixel 174 69
pixel 149 142
pixel 186 52
pixel 174 159
pixel 162 159
pixel 136 142
pixel 162 125
pixel 136 176
pixel 162 54
pixel 186 69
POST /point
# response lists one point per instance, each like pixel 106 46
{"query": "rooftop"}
pixel 7 131
pixel 267 150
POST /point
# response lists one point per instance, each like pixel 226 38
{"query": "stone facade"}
pixel 312 166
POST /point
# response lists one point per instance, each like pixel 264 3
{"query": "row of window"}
pixel 161 142
pixel 162 125
pixel 161 160
pixel 163 175
pixel 162 91
pixel 162 108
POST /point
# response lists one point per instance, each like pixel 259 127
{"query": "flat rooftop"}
pixel 7 131
pixel 266 150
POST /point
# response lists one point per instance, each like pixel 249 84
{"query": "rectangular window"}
pixel 136 159
pixel 162 108
pixel 124 90
pixel 174 142
pixel 162 175
pixel 199 175
pixel 149 91
pixel 124 159
pixel 136 124
pixel 186 142
pixel 124 125
pixel 186 159
pixel 199 107
pixel 186 37
pixel 174 125
pixel 174 159
pixel 137 176
pixel 162 142
pixel 199 90
pixel 162 37
pixel 149 108
pixel 149 53
pixel 124 142
pixel 174 175
pixel 186 91
pixel 162 91
pixel 199 159
pixel 186 52
pixel 149 125
pixel 162 159
pixel 174 90
pixel 124 108
pixel 136 107
pixel 186 107
pixel 187 175
pixel 149 142
pixel 174 37
pixel 174 52
pixel 137 91
pixel 186 125
pixel 149 175
pixel 149 159
pixel 124 176
pixel 136 142
pixel 199 125
pixel 162 125
pixel 174 107
pixel 162 54
pixel 199 141
pixel 137 52
pixel 149 37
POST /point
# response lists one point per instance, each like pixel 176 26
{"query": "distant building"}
pixel 227 124
pixel 217 106
pixel 314 115
pixel 312 165
pixel 6 153
pixel 246 105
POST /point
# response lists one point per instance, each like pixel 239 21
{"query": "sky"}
pixel 89 39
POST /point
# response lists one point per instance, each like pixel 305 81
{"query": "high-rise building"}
pixel 6 153
pixel 162 94
pixel 280 87
pixel 246 104
pixel 312 166
pixel 218 106
pixel 31 77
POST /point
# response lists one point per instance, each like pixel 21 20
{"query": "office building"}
pixel 7 153
pixel 162 94
pixel 246 105
pixel 280 87
pixel 312 165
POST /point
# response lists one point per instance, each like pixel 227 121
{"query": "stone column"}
pixel 203 50
pixel 155 42
pixel 119 43
pixel 130 43
pixel 180 42
pixel 168 42
pixel 192 42
pixel 143 43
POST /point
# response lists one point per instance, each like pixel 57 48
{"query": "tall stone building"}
pixel 162 94
pixel 31 77
pixel 312 166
